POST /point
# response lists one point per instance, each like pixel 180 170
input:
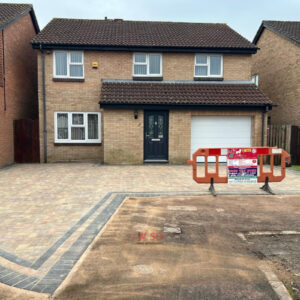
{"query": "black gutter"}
pixel 3 71
pixel 263 117
pixel 263 107
pixel 44 104
pixel 145 48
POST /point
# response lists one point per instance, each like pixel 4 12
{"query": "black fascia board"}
pixel 263 107
pixel 258 33
pixel 34 21
pixel 36 45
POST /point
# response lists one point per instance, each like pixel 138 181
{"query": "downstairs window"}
pixel 77 127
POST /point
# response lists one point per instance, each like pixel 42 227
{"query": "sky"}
pixel 244 16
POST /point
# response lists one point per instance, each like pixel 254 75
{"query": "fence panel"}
pixel 286 137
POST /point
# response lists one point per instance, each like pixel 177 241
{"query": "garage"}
pixel 220 131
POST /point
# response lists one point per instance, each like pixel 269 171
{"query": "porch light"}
pixel 136 114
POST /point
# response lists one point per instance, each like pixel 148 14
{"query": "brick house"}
pixel 277 66
pixel 18 73
pixel 119 91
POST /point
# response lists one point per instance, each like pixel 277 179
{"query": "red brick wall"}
pixel 20 82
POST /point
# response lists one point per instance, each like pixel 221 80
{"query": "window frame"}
pixel 69 63
pixel 70 125
pixel 147 63
pixel 255 79
pixel 208 65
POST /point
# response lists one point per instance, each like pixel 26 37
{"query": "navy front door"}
pixel 156 127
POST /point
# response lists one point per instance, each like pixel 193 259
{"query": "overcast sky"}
pixel 244 16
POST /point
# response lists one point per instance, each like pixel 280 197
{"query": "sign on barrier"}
pixel 242 165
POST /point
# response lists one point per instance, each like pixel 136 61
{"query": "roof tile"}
pixel 181 94
pixel 78 32
pixel 9 11
pixel 287 29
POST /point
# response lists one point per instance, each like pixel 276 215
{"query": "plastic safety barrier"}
pixel 261 152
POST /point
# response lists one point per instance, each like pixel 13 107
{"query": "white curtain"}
pixel 92 126
pixel 78 133
pixel 215 65
pixel 61 63
pixel 140 69
pixel 154 61
pixel 62 126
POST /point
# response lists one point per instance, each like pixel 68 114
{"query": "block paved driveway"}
pixel 50 213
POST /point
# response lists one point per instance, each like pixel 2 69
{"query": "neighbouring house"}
pixel 18 73
pixel 276 65
pixel 118 91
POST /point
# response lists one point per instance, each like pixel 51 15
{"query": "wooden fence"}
pixel 286 137
pixel 26 134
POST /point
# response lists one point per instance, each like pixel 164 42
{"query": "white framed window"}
pixel 147 64
pixel 255 79
pixel 77 127
pixel 208 65
pixel 68 64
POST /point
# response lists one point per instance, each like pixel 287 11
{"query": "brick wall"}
pixel 277 64
pixel 124 142
pixel 124 137
pixel 20 81
pixel 122 134
pixel 180 66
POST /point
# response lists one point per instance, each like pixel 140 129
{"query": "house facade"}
pixel 117 91
pixel 18 73
pixel 277 66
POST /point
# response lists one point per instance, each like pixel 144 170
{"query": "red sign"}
pixel 154 236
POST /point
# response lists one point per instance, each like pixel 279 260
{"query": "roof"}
pixel 10 12
pixel 179 93
pixel 119 33
pixel 287 29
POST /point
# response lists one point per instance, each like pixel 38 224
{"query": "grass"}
pixel 290 290
pixel 296 168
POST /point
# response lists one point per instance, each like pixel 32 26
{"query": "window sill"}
pixel 208 78
pixel 68 79
pixel 77 144
pixel 147 78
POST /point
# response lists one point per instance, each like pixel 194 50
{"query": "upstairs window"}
pixel 77 127
pixel 68 64
pixel 208 65
pixel 147 64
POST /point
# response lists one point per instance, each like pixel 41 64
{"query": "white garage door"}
pixel 217 132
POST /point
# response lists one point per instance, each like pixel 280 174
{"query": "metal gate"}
pixel 26 141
